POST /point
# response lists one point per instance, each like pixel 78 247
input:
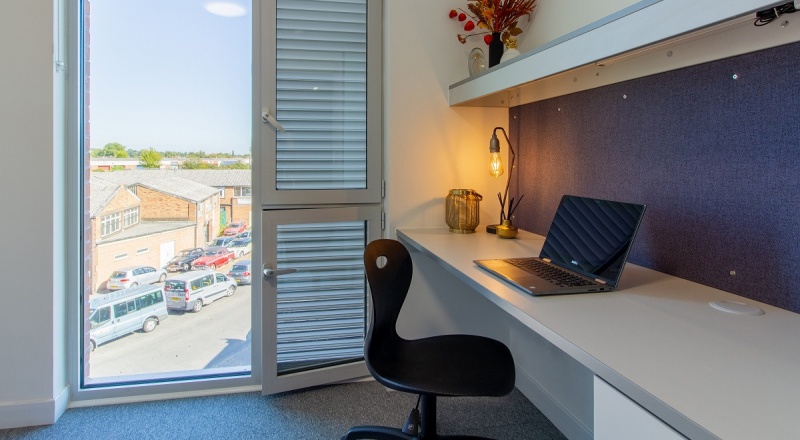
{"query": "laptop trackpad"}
pixel 516 275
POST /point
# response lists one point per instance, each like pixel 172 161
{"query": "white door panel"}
pixel 316 305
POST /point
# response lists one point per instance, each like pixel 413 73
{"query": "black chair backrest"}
pixel 389 279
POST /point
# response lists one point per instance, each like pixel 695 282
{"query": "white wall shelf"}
pixel 649 37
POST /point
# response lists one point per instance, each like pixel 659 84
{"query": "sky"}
pixel 170 75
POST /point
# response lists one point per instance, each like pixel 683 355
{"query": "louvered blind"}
pixel 321 308
pixel 321 69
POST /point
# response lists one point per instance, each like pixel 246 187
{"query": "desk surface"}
pixel 707 373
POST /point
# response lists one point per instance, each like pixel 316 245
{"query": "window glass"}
pixel 101 316
pixel 174 286
pixel 120 310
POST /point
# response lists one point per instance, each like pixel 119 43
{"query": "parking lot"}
pixel 216 337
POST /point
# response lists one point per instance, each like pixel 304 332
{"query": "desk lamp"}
pixel 496 170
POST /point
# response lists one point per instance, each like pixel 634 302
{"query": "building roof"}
pixel 215 178
pixel 218 178
pixel 102 191
pixel 165 181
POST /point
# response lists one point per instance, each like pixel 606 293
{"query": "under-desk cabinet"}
pixel 616 417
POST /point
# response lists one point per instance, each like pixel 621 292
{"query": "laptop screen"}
pixel 592 236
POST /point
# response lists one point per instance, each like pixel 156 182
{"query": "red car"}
pixel 235 228
pixel 212 258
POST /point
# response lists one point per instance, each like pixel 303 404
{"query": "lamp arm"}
pixel 510 171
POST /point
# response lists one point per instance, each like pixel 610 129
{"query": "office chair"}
pixel 449 365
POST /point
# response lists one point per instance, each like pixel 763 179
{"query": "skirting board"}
pixel 33 412
pixel 560 416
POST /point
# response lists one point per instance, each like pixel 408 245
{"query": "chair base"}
pixel 386 433
pixel 427 427
pixel 376 433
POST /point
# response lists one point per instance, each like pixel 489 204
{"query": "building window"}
pixel 131 217
pixel 110 224
pixel 243 191
pixel 120 257
pixel 142 251
pixel 221 192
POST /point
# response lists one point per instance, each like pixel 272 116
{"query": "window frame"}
pixel 238 192
pixel 372 193
pixel 110 224
pixel 130 217
pixel 76 160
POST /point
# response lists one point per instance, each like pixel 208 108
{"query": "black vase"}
pixel 495 49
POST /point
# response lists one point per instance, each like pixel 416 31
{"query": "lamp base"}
pixel 491 229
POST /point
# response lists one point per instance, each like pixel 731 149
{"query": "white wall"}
pixel 554 18
pixel 33 384
pixel 431 147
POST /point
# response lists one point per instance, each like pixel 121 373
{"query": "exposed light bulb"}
pixel 495 165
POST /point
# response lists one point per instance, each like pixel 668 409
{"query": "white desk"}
pixel 706 373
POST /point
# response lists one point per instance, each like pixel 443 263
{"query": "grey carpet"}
pixel 319 413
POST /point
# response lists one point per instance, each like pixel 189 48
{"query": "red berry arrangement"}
pixel 493 16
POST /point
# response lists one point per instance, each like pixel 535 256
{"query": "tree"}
pixel 150 158
pixel 113 149
pixel 197 155
pixel 196 164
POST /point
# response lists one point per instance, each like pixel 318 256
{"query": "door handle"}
pixel 270 272
pixel 267 118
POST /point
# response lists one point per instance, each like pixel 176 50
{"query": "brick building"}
pixel 234 187
pixel 144 220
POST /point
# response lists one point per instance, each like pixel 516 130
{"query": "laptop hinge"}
pixel 599 281
pixel 546 260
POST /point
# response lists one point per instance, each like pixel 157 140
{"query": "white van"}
pixel 125 311
pixel 193 290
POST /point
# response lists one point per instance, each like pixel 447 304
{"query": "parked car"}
pixel 241 272
pixel 241 246
pixel 183 261
pixel 133 276
pixel 225 240
pixel 235 228
pixel 126 311
pixel 213 257
pixel 246 234
pixel 193 290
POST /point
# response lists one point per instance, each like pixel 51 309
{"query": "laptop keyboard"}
pixel 551 273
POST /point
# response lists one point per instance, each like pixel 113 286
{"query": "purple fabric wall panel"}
pixel 713 150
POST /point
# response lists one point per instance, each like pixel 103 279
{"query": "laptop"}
pixel 585 249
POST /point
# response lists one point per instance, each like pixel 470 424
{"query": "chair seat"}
pixel 450 365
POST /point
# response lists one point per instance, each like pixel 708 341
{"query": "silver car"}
pixel 241 271
pixel 221 241
pixel 240 246
pixel 132 276
pixel 193 290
